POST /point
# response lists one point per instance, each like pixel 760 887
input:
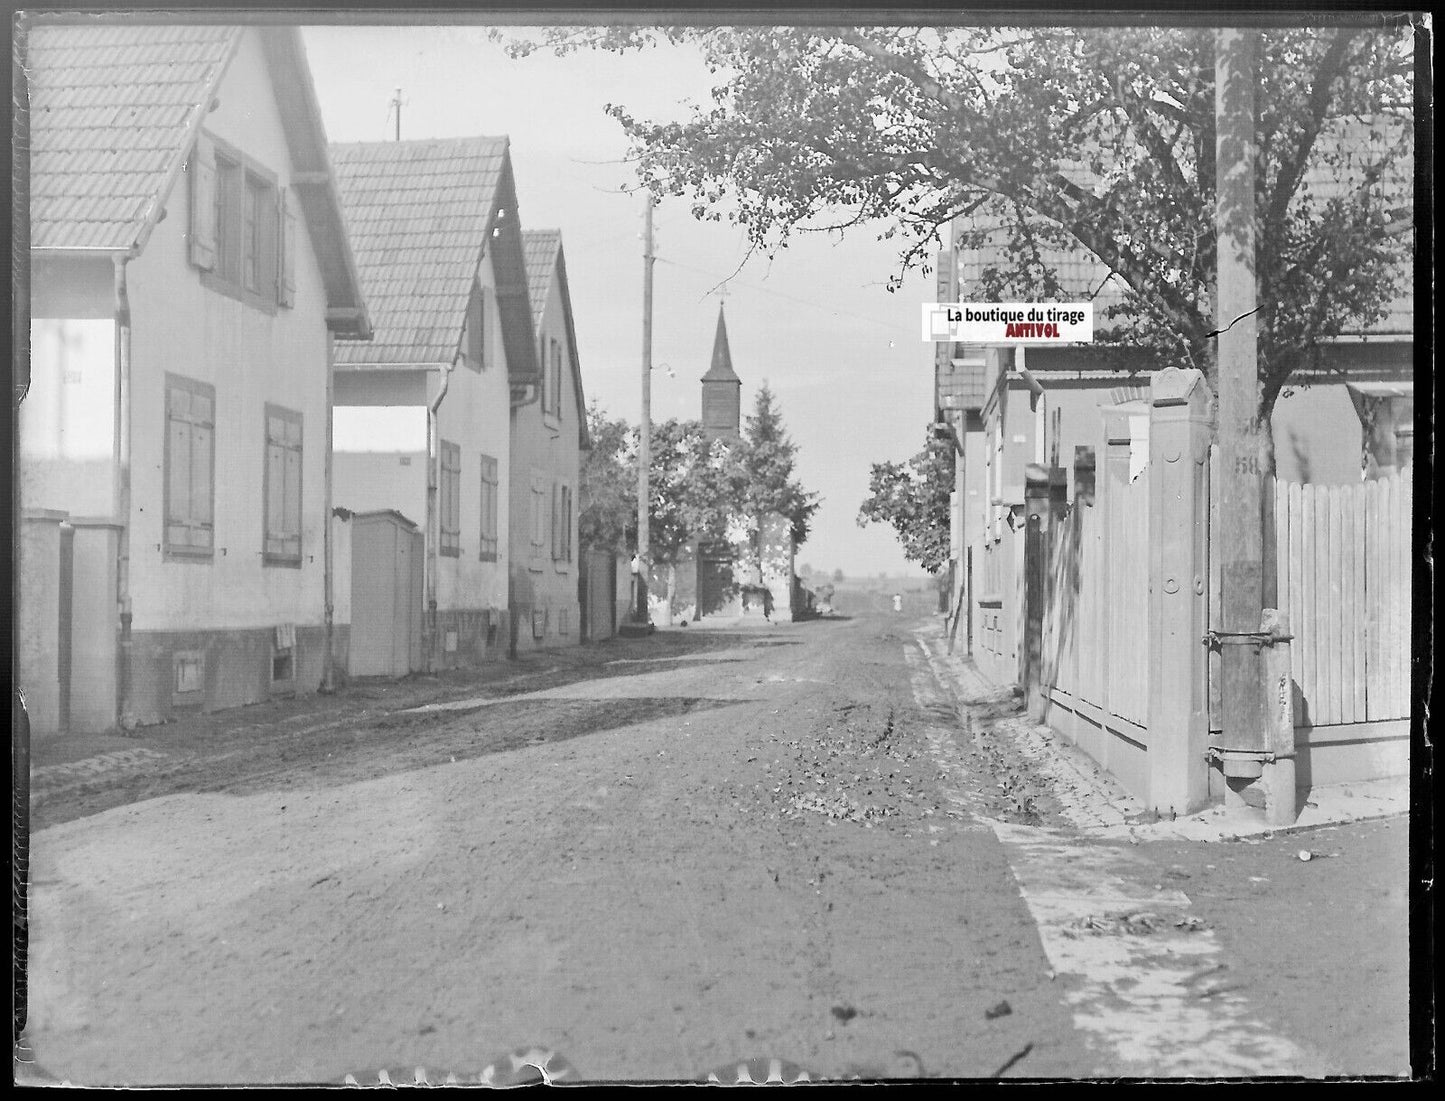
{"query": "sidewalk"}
pixel 1099 806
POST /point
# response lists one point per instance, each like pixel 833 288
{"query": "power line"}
pixel 892 326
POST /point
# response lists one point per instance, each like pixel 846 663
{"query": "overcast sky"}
pixel 842 354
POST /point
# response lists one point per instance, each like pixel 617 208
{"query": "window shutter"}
pixel 292 518
pixel 201 474
pixel 275 493
pixel 477 328
pixel 556 525
pixel 178 492
pixel 203 204
pixel 286 246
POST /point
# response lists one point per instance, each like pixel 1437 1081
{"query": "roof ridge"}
pixel 473 139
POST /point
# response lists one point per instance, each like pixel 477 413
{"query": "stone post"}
pixel 1036 556
pixel 1279 769
pixel 37 619
pixel 1179 435
pixel 1113 476
pixel 95 636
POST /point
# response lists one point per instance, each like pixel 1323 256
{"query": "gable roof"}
pixel 114 111
pixel 722 356
pixel 422 215
pixel 543 251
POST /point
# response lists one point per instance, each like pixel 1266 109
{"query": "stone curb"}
pixel 1098 805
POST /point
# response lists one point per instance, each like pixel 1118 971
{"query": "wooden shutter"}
pixel 178 487
pixel 477 328
pixel 556 524
pixel 202 449
pixel 292 514
pixel 203 204
pixel 286 249
pixel 567 521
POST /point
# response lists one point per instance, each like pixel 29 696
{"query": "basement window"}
pixel 283 656
pixel 189 680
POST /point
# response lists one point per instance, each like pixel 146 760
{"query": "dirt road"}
pixel 738 844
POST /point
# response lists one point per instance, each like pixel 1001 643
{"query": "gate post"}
pixel 38 617
pixel 1279 768
pixel 1036 542
pixel 1179 432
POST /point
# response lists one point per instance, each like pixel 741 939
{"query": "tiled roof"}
pixel 112 107
pixel 539 247
pixel 1336 168
pixel 418 213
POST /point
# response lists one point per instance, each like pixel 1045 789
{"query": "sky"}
pixel 843 356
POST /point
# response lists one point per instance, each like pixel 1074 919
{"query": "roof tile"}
pixel 418 213
pixel 110 106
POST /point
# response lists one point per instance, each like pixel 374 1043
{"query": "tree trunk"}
pixel 671 589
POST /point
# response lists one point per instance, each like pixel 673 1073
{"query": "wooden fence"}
pixel 1342 559
pixel 1096 667
pixel 1095 625
pixel 1342 556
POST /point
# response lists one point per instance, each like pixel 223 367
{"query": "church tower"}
pixel 721 390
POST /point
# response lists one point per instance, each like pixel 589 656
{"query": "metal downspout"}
pixel 1041 414
pixel 433 518
pixel 328 659
pixel 125 712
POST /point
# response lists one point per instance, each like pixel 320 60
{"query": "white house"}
pixel 189 269
pixel 548 434
pixel 422 411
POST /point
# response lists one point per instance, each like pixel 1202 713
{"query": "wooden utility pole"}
pixel 644 450
pixel 1240 543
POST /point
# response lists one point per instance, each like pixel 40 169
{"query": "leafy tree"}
pixel 768 457
pixel 838 576
pixel 696 488
pixel 607 493
pixel 1093 140
pixel 914 497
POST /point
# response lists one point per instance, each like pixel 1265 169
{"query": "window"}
pixel 190 452
pixel 489 509
pixel 449 499
pixel 477 329
pixel 539 519
pixel 552 389
pixel 242 232
pixel 282 487
pixel 561 523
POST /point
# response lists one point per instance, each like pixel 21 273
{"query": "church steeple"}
pixel 721 389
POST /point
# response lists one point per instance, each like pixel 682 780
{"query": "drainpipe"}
pixel 433 519
pixel 328 661
pixel 1041 413
pixel 125 715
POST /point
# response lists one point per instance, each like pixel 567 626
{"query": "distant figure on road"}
pixel 898 602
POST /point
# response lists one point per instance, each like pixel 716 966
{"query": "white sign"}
pixel 1009 322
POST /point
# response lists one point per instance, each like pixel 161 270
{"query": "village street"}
pixel 656 856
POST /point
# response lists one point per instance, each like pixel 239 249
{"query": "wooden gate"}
pixel 1342 555
pixel 386 595
pixel 597 594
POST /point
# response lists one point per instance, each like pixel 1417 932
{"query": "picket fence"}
pixel 1342 559
pixel 1096 614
